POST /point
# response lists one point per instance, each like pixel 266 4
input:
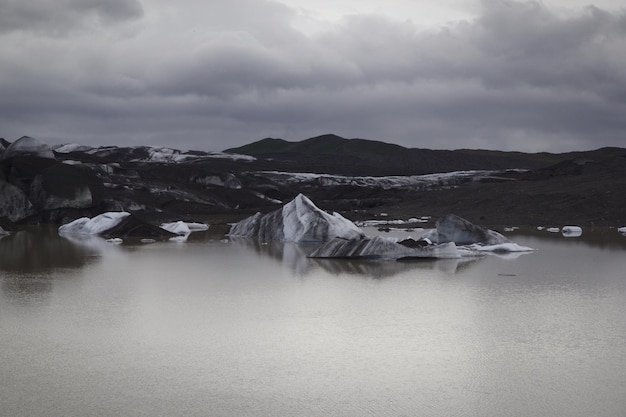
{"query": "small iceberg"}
pixel 622 230
pixel 572 231
pixel 93 226
pixel 379 247
pixel 298 221
pixel 117 224
pixel 468 236
pixel 183 228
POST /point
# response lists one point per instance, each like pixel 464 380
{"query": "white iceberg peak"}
pixel 297 221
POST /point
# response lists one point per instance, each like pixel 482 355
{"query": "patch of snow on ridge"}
pixel 94 226
pixel 71 147
pixel 387 182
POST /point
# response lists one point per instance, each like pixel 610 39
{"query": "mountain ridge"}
pixel 330 153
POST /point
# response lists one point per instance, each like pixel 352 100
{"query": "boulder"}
pixel 27 146
pixel 452 228
pixel 381 248
pixel 297 221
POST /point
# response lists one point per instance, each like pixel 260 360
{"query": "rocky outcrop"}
pixel 382 248
pixel 298 221
pixel 34 185
pixel 27 146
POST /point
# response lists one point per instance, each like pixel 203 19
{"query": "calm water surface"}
pixel 236 328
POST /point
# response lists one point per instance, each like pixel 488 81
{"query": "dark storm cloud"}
pixel 219 74
pixel 61 17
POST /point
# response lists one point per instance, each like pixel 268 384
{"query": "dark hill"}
pixel 333 154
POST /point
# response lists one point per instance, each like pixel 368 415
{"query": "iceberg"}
pixel 622 230
pixel 452 228
pixel 94 226
pixel 572 231
pixel 183 228
pixel 297 221
pixel 117 224
pixel 379 247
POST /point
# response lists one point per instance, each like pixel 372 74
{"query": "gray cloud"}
pixel 219 74
pixel 62 17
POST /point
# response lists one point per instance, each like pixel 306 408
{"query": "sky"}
pixel 513 75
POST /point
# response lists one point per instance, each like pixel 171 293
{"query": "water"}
pixel 214 328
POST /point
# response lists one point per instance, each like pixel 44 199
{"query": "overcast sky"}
pixel 211 74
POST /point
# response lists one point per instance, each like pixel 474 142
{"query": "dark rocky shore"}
pixel 360 179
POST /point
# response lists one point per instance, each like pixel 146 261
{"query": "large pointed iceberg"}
pixel 298 221
pixel 379 247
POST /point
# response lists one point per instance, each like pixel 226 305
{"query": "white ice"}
pixel 301 217
pixel 500 248
pixel 572 231
pixel 183 228
pixel 94 226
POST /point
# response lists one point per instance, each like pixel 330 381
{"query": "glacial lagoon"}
pixel 218 327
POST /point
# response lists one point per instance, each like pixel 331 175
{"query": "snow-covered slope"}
pixel 297 221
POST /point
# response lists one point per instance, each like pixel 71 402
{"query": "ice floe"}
pixel 379 247
pixel 94 226
pixel 183 228
pixel 452 228
pixel 572 231
pixel 297 221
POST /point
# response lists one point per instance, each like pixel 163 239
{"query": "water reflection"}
pixel 294 257
pixel 31 261
pixel 41 251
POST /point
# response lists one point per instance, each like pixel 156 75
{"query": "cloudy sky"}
pixel 211 74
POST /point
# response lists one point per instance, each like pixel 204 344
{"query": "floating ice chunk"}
pixel 553 229
pixel 115 241
pixel 147 240
pixel 455 229
pixel 94 226
pixel 180 239
pixel 540 227
pixel 572 231
pixel 381 248
pixel 297 221
pixel 183 228
pixel 501 248
pixel 622 230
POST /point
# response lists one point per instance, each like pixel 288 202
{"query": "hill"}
pixel 334 154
